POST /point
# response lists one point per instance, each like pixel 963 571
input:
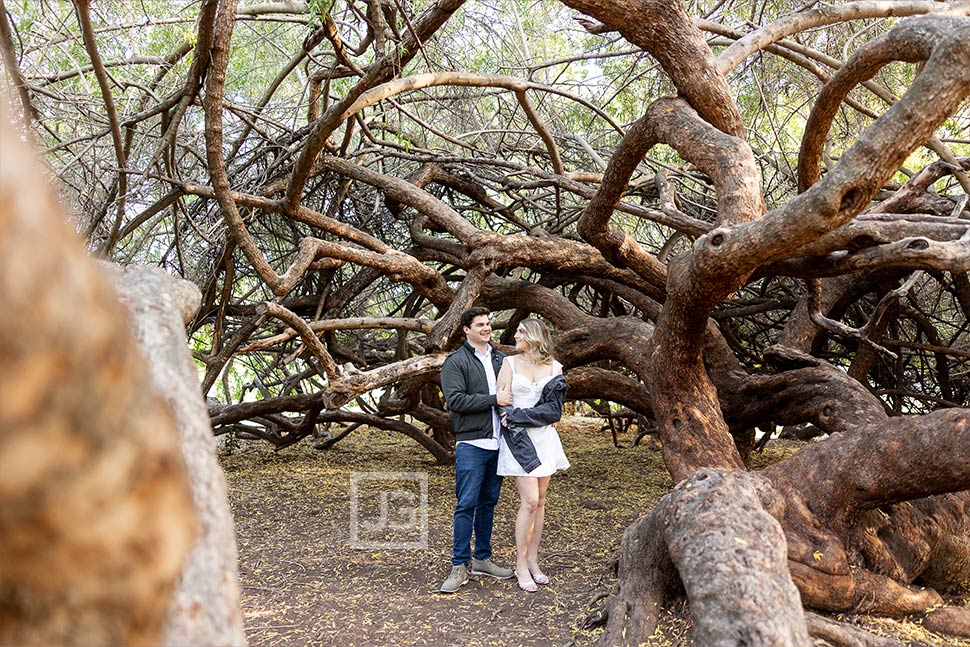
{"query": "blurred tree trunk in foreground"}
pixel 96 515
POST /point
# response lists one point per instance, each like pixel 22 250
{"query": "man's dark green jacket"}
pixel 466 392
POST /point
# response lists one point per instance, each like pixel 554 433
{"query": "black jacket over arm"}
pixel 546 411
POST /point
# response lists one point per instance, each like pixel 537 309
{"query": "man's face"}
pixel 480 332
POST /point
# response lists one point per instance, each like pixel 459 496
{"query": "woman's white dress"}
pixel 525 394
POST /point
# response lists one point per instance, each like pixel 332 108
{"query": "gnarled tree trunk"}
pixel 828 497
pixel 205 605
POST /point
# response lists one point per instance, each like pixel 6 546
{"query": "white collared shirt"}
pixel 487 443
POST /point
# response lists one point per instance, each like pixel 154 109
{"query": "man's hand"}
pixel 503 398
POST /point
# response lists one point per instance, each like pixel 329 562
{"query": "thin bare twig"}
pixel 83 10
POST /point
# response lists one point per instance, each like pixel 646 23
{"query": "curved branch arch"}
pixel 759 39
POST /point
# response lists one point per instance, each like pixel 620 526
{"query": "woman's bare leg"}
pixel 532 552
pixel 524 523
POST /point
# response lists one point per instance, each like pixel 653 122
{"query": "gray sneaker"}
pixel 490 568
pixel 458 577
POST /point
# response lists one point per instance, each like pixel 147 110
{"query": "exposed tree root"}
pixel 745 597
pixel 950 621
pixel 857 537
pixel 839 634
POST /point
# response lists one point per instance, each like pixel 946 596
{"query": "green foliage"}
pixel 319 11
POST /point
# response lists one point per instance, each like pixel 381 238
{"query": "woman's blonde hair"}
pixel 537 337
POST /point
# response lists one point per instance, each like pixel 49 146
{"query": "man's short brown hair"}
pixel 468 316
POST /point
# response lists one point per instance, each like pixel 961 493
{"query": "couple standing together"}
pixel 502 409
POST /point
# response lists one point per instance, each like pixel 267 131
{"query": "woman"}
pixel 525 376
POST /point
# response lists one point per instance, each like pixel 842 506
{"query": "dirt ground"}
pixel 322 564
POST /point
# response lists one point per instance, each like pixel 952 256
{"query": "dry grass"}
pixel 304 584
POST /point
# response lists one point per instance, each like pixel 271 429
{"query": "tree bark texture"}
pixel 205 605
pixel 96 514
pixel 743 596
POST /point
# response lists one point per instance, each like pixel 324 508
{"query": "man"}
pixel 468 382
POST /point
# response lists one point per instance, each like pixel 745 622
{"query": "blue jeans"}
pixel 477 487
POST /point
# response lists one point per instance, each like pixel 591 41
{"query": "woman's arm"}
pixel 503 383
